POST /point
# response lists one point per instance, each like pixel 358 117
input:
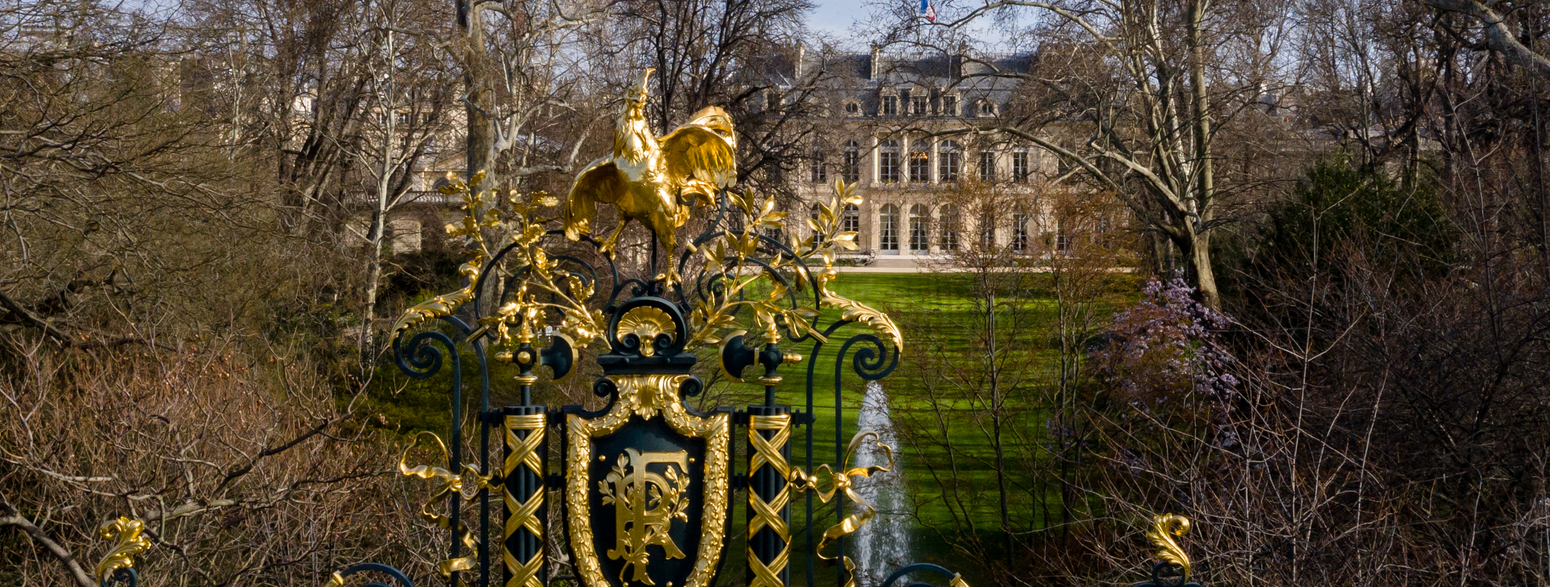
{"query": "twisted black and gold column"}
pixel 522 539
pixel 769 533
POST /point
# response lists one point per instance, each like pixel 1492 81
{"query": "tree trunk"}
pixel 379 215
pixel 995 424
pixel 479 140
pixel 1198 247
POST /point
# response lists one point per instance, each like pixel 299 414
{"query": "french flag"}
pixel 927 10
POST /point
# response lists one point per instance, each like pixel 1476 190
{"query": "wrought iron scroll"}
pixel 954 579
pixel 399 579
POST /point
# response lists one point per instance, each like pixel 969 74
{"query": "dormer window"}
pixel 919 102
pixel 772 101
pixel 949 105
pixel 987 108
pixel 852 108
pixel 890 106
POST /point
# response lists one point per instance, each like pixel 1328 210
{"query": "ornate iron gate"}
pixel 645 485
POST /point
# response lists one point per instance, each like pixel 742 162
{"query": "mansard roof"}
pixel 866 77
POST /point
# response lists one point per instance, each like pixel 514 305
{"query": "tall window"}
pixel 888 162
pixel 987 166
pixel 850 221
pixel 987 228
pixel 852 162
pixel 819 172
pixel 1020 232
pixel 1020 169
pixel 920 165
pixel 919 102
pixel 890 106
pixel 814 212
pixel 949 219
pixel 888 228
pixel 950 105
pixel 949 160
pixel 920 219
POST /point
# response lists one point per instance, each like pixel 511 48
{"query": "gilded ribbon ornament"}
pixel 128 543
pixel 767 453
pixel 844 482
pixel 449 486
pixel 524 453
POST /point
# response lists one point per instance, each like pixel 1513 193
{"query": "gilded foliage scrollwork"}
pixel 127 544
pixel 805 262
pixel 1165 528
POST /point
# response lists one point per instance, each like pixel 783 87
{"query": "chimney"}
pixel 877 55
pixel 955 62
pixel 801 54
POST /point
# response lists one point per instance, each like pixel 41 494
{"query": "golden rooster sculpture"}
pixel 654 180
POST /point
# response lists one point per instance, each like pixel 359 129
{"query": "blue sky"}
pixel 835 17
pixel 838 20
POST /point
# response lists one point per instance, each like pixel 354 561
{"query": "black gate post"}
pixel 523 478
pixel 769 531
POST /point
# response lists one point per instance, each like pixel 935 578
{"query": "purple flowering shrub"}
pixel 1164 356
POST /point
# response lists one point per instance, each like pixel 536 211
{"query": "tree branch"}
pixel 58 550
pixel 1497 36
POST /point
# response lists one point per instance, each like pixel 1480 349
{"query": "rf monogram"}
pixel 645 505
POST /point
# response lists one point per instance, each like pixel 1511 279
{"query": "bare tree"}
pixel 1149 83
pixel 520 82
pixel 410 93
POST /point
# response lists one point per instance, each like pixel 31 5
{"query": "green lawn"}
pixel 940 301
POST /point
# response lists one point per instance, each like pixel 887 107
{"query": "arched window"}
pixel 950 219
pixel 820 171
pixel 852 162
pixel 920 219
pixel 888 228
pixel 850 221
pixel 920 164
pixel 949 161
pixel 888 162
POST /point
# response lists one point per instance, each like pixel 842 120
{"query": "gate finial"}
pixel 1164 528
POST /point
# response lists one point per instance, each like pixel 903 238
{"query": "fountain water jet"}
pixel 883 544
